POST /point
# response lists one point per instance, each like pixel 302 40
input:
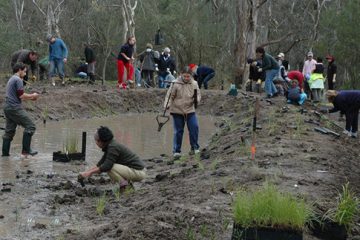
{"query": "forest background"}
pixel 218 33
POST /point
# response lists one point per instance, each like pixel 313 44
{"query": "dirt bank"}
pixel 190 198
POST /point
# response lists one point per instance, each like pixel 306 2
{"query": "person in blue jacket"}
pixel 58 54
pixel 347 102
pixel 202 74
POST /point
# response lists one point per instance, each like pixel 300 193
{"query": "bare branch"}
pixel 38 7
pixel 276 40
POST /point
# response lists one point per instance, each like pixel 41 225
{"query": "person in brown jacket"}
pixel 182 99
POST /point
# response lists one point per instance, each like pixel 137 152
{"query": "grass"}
pixel 347 208
pixel 268 207
pixel 71 144
pixel 116 192
pixel 45 113
pixel 100 206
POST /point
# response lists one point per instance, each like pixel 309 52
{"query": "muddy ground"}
pixel 190 198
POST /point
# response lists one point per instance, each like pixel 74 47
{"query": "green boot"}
pixel 6 147
pixel 26 150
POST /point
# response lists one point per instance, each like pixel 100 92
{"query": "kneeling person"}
pixel 121 164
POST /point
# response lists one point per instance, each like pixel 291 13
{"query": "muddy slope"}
pixel 190 198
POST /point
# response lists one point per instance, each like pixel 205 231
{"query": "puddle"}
pixel 138 132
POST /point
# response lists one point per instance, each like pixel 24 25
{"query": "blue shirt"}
pixel 14 89
pixel 57 50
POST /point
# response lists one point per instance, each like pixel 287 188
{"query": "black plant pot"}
pixel 262 233
pixel 63 157
pixel 328 229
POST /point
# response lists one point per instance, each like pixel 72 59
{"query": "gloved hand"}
pixel 260 70
pixel 33 78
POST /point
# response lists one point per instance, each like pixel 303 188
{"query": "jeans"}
pixel 57 64
pixel 352 118
pixel 161 79
pixel 193 127
pixel 206 79
pixel 270 88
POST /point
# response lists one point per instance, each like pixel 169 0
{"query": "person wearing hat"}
pixel 347 102
pixel 28 57
pixel 331 72
pixel 120 163
pixel 147 59
pixel 309 67
pixel 58 54
pixel 202 74
pixel 166 66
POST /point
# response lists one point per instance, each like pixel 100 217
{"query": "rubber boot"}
pixel 52 81
pixel 62 81
pixel 26 150
pixel 6 147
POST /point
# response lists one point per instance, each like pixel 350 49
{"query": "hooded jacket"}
pixel 181 96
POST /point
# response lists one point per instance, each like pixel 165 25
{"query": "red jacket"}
pixel 298 76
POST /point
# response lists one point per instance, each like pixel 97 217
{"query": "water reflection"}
pixel 137 131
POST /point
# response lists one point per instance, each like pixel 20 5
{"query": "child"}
pixel 119 162
pixel 295 94
pixel 316 81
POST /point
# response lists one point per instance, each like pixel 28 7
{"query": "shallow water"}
pixel 137 131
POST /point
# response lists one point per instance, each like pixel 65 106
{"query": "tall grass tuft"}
pixel 71 144
pixel 100 206
pixel 267 207
pixel 347 208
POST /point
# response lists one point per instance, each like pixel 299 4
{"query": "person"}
pixel 308 68
pixel 28 57
pixel 120 163
pixel 331 72
pixel 90 59
pixel 81 71
pixel 271 68
pixel 124 60
pixel 58 54
pixel 254 75
pixel 15 114
pixel 166 65
pixel 43 68
pixel 316 81
pixel 181 99
pixel 347 102
pixel 283 62
pixel 297 75
pixel 147 59
pixel 202 74
pixel 295 94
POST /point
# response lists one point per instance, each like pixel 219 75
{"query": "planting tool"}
pixel 163 119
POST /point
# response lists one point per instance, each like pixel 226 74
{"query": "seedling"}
pixel 101 203
pixel 116 192
pixel 346 210
pixel 71 144
pixel 268 207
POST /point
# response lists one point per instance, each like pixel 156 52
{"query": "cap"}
pixel 49 37
pixel 310 54
pixel 149 45
pixel 167 50
pixel 281 55
pixel 192 66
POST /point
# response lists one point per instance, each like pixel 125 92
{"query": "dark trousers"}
pixel 148 76
pixel 352 118
pixel 331 85
pixel 15 117
pixel 193 127
pixel 205 80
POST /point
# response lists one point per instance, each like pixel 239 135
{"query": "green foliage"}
pixel 269 207
pixel 100 206
pixel 347 208
pixel 71 144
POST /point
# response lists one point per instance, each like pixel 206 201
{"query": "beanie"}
pixel 192 66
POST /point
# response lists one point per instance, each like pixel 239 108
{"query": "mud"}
pixel 185 199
